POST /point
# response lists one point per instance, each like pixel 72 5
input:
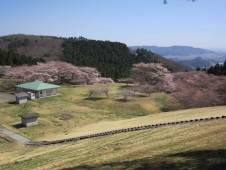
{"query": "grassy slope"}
pixel 86 111
pixel 197 145
pixel 200 145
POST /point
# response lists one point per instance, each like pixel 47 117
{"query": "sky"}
pixel 133 22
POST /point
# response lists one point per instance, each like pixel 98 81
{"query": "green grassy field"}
pixel 74 100
pixel 190 146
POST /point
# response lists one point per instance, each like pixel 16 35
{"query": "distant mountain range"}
pixel 194 57
pixel 175 50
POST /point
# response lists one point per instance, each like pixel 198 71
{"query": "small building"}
pixel 21 97
pixel 39 88
pixel 29 119
pixel 31 96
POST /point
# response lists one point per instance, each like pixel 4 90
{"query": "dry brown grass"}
pixel 158 148
pixel 144 120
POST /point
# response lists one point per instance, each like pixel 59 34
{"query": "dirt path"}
pixel 14 135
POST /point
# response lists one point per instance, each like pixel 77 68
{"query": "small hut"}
pixel 21 97
pixel 29 119
pixel 31 95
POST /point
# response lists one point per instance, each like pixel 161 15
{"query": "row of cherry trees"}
pixel 149 77
pixel 57 72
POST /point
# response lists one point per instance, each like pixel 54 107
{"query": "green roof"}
pixel 37 85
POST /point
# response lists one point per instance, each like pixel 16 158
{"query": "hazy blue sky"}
pixel 134 22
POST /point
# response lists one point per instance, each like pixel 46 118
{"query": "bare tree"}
pixel 99 92
pixel 148 89
pixel 126 94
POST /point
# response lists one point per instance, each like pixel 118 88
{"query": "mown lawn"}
pixel 190 146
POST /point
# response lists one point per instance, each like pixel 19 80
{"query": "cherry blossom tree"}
pixel 57 72
pixel 153 74
pixel 3 69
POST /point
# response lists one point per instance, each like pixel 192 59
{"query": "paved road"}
pixel 14 135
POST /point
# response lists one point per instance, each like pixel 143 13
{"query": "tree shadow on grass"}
pixel 205 159
pixel 126 86
pixel 142 95
pixel 94 98
pixel 202 160
pixel 122 100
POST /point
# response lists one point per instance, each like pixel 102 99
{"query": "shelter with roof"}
pixel 39 88
pixel 29 119
pixel 21 97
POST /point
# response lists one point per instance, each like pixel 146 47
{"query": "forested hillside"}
pixel 112 59
pixel 11 58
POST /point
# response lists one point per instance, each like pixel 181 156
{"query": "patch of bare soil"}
pixel 65 116
pixel 199 89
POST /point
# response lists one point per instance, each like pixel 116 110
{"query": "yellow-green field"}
pixel 74 100
pixel 189 146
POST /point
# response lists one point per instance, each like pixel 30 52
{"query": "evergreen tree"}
pixel 11 58
pixel 218 69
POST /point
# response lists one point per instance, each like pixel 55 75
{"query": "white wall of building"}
pixel 47 92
